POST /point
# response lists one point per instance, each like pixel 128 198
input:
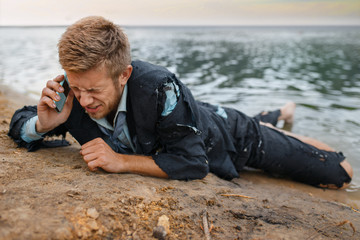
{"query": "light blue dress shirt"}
pixel 29 134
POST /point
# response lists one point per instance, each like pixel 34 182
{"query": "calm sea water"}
pixel 249 68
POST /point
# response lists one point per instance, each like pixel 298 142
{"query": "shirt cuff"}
pixel 28 131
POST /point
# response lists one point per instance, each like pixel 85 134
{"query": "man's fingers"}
pixel 94 165
pixel 89 157
pixel 97 154
pixel 48 102
pixel 58 78
pixel 87 149
pixel 92 147
pixel 92 160
pixel 55 84
pixel 94 142
pixel 47 92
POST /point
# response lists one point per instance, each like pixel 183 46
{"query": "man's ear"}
pixel 125 75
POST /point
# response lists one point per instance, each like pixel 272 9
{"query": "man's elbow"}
pixel 195 171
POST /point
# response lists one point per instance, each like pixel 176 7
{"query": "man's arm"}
pixel 18 120
pixel 50 121
pixel 183 153
pixel 22 126
pixel 182 156
pixel 98 154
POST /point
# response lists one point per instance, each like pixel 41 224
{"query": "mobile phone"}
pixel 60 104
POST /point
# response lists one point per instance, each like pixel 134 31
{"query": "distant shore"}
pixel 198 26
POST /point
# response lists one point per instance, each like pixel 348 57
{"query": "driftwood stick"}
pixel 354 210
pixel 329 227
pixel 236 195
pixel 206 225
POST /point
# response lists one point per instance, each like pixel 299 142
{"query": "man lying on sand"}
pixel 132 116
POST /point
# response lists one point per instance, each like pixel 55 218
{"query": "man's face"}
pixel 96 92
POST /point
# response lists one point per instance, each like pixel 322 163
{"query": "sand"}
pixel 51 194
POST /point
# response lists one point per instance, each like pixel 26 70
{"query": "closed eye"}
pixel 93 90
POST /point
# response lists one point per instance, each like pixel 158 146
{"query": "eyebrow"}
pixel 88 90
pixel 92 89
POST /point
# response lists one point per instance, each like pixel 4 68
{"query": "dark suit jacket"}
pixel 188 143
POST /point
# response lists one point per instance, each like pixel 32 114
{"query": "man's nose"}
pixel 85 99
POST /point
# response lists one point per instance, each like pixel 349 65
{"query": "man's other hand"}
pixel 98 154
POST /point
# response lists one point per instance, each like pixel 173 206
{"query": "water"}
pixel 249 68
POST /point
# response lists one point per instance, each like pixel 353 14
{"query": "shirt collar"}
pixel 121 108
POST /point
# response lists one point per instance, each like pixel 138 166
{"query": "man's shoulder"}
pixel 142 69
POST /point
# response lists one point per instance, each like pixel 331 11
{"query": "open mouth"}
pixel 92 109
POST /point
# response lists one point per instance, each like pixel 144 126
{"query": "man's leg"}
pixel 321 146
pixel 285 113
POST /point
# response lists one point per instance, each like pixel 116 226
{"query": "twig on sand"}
pixel 333 226
pixel 354 210
pixel 206 227
pixel 236 195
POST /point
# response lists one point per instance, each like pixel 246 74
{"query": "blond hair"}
pixel 94 42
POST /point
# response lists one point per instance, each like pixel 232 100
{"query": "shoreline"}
pixel 48 194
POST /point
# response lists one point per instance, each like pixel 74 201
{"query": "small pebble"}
pixel 63 233
pixel 159 232
pixel 93 213
pixel 93 224
pixel 162 228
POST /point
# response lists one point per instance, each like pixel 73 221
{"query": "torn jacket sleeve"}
pixel 18 120
pixel 172 94
pixel 183 154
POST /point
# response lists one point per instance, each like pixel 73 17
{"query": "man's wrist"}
pixel 123 162
pixel 39 129
pixel 141 164
pixel 28 131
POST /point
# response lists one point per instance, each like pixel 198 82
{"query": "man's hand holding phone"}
pixel 63 95
pixel 54 107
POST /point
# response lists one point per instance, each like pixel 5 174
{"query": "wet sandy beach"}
pixel 51 194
